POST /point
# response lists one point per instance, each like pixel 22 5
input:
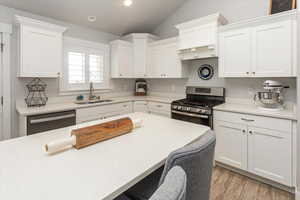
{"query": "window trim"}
pixel 74 44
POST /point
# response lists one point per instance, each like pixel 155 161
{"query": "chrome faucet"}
pixel 92 96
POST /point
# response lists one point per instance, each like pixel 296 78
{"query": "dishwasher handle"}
pixel 49 119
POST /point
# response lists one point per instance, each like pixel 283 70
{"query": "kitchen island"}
pixel 100 171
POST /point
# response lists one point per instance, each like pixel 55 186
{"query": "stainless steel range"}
pixel 198 105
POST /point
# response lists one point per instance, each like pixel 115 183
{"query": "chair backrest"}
pixel 196 160
pixel 173 186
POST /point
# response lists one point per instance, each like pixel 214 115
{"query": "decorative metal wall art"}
pixel 205 72
pixel 36 93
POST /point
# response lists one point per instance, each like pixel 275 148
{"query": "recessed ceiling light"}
pixel 92 18
pixel 127 3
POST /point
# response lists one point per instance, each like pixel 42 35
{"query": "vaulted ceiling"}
pixel 112 16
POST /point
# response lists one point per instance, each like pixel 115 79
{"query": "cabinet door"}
pixel 41 53
pixel 270 154
pixel 154 62
pixel 140 57
pixel 231 147
pixel 273 50
pixel 141 106
pixel 126 61
pixel 235 53
pixel 172 65
pixel 121 59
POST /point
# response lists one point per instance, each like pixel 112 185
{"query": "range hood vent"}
pixel 199 38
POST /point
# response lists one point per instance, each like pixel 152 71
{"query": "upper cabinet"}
pixel 198 38
pixel 163 60
pixel 121 59
pixel 143 57
pixel 40 48
pixel 264 47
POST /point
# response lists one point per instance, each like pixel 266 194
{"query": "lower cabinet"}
pixel 163 109
pixel 140 106
pixel 256 147
pixel 102 112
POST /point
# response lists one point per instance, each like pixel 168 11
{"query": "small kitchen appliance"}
pixel 141 87
pixel 272 97
pixel 198 105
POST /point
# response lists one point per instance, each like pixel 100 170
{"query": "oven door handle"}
pixel 190 114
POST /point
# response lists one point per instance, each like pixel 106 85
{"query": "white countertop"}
pixel 63 106
pixel 253 109
pixel 101 171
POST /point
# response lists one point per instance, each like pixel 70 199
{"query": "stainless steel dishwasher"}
pixel 50 121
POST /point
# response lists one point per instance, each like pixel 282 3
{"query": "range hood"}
pixel 199 38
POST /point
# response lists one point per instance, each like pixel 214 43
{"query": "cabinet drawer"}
pixel 159 106
pixel 255 121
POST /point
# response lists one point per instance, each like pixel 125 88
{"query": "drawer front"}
pixel 141 106
pixel 255 121
pixel 98 112
pixel 153 106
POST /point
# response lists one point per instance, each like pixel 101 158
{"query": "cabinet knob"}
pixel 247 73
pixel 120 74
pixel 253 72
pixel 251 132
pixel 244 131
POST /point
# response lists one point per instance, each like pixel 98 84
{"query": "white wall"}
pixel 18 85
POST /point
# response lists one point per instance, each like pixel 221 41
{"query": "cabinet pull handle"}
pixel 269 135
pixel 159 106
pixel 247 120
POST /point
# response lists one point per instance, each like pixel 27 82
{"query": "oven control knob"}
pixel 179 107
pixel 188 109
pixel 175 107
pixel 198 110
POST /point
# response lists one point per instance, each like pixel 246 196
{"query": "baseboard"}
pixel 260 179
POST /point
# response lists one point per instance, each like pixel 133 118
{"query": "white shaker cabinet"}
pixel 140 106
pixel 260 145
pixel 232 144
pixel 273 49
pixel 263 47
pixel 122 59
pixel 40 48
pixel 270 154
pixel 235 53
pixel 164 61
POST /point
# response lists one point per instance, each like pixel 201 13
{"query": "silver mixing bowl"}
pixel 269 98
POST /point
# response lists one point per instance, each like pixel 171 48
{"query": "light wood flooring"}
pixel 228 185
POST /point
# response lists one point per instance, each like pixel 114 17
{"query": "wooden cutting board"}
pixel 97 133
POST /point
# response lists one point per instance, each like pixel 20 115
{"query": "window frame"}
pixel 88 48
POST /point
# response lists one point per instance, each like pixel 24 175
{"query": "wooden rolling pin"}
pixel 87 136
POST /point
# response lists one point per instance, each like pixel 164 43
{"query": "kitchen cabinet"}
pixel 122 59
pixel 235 53
pixel 140 48
pixel 140 106
pixel 163 109
pixel 232 140
pixel 102 111
pixel 260 145
pixel 263 47
pixel 40 48
pixel 273 58
pixel 163 60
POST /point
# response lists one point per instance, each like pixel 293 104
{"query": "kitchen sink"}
pixel 93 101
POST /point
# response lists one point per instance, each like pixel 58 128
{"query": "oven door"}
pixel 194 118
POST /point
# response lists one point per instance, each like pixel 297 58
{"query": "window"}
pixel 85 62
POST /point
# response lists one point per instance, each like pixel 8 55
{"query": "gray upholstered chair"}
pixel 197 161
pixel 172 188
